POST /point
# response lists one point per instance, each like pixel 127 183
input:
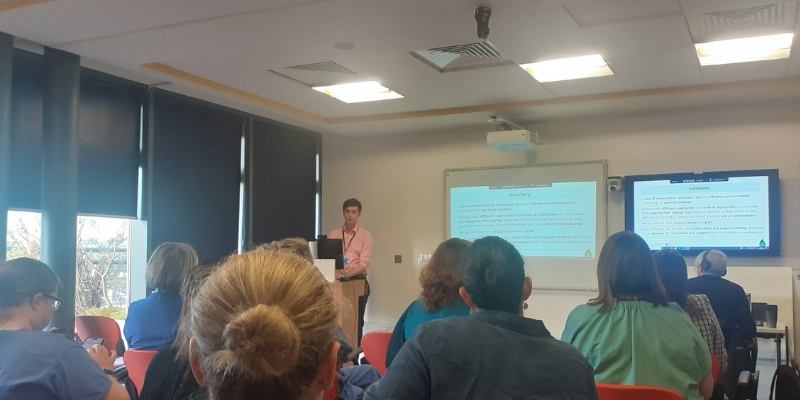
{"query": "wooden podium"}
pixel 346 294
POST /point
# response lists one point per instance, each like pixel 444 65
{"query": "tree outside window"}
pixel 102 259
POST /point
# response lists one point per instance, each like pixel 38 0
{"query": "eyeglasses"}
pixel 56 301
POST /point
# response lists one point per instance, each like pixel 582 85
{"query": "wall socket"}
pixel 398 259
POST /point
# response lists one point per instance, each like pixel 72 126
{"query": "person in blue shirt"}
pixel 42 365
pixel 152 323
pixel 495 353
pixel 439 299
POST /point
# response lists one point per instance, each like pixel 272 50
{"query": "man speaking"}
pixel 357 250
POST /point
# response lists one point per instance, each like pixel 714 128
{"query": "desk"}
pixel 346 294
pixel 778 334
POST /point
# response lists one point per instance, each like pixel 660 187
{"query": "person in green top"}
pixel 440 281
pixel 631 334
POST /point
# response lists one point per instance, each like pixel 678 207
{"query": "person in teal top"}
pixel 439 299
pixel 631 334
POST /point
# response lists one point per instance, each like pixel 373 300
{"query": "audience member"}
pixel 152 322
pixel 727 298
pixel 730 304
pixel 631 334
pixel 495 352
pixel 42 365
pixel 169 375
pixel 672 270
pixel 439 299
pixel 295 245
pixel 352 379
pixel 263 327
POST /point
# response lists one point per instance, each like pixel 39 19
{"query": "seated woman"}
pixel 631 334
pixel 169 376
pixel 673 273
pixel 439 298
pixel 495 353
pixel 262 326
pixel 42 365
pixel 354 379
pixel 152 322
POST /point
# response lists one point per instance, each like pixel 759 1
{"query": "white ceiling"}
pixel 234 43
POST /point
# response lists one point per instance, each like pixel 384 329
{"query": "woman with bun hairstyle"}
pixel 439 299
pixel 631 333
pixel 262 327
pixel 495 353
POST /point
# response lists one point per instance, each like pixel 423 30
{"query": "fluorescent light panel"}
pixel 568 68
pixel 359 92
pixel 760 48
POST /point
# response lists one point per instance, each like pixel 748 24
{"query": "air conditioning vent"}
pixel 463 56
pixel 752 21
pixel 327 66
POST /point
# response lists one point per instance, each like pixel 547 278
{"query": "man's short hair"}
pixel 351 203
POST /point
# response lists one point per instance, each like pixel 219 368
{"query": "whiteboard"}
pixel 523 204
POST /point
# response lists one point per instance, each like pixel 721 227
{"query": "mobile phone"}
pixel 90 342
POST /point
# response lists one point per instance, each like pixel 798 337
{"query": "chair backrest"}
pixel 375 346
pixel 100 327
pixel 606 391
pixel 716 368
pixel 136 362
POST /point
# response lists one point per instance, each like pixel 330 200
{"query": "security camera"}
pixel 482 15
pixel 615 183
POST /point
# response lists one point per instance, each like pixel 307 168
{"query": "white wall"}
pixel 399 179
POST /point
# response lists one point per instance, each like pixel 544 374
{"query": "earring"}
pixel 525 305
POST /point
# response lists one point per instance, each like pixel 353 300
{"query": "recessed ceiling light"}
pixel 568 68
pixel 760 48
pixel 359 92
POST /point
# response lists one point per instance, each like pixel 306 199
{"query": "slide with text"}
pixel 554 220
pixel 728 213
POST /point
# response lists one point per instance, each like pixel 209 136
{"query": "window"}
pixel 102 259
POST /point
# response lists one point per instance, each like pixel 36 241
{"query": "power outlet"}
pixel 398 259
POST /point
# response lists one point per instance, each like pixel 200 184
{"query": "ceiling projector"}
pixel 514 140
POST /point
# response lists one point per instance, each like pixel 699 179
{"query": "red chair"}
pixel 606 391
pixel 375 346
pixel 99 327
pixel 716 368
pixel 137 361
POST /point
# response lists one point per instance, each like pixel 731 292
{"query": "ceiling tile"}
pixel 582 87
pixel 617 11
pixel 638 70
pixel 500 84
pixel 751 71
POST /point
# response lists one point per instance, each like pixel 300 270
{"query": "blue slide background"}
pixel 553 221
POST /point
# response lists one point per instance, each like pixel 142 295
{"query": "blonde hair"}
pixel 263 325
pixel 169 265
pixel 295 245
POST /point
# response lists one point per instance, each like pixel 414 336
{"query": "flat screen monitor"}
pixel 737 212
pixel 331 249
